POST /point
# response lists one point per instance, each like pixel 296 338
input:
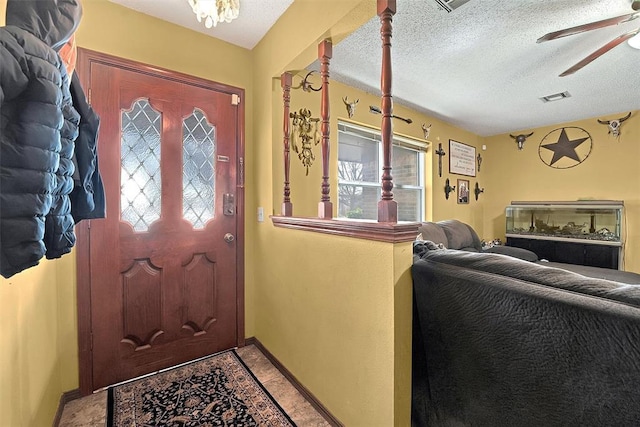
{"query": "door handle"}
pixel 229 237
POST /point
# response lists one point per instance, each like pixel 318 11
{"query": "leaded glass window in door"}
pixel 140 179
pixel 198 173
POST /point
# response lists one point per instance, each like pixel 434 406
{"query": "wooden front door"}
pixel 163 264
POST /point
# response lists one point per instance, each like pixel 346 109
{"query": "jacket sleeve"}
pixel 87 198
pixel 13 73
pixel 59 235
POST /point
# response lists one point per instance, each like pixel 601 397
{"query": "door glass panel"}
pixel 198 174
pixel 140 181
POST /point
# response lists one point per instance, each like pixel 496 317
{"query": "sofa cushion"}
pixel 433 232
pixel 460 235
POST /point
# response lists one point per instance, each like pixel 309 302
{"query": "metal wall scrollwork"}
pixel 448 189
pixel 478 190
pixel 305 131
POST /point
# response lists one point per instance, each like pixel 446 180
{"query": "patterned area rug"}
pixel 216 391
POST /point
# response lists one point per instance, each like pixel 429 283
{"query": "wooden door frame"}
pixel 86 58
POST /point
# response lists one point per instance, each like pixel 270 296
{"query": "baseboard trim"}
pixel 65 398
pixel 333 421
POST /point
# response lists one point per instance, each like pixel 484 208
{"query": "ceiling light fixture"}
pixel 214 11
pixel 634 41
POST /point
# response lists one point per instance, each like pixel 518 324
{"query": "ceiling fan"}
pixel 635 5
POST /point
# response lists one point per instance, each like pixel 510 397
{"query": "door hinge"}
pixel 89 96
pixel 235 99
pixel 241 160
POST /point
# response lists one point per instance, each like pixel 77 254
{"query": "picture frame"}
pixel 463 191
pixel 462 158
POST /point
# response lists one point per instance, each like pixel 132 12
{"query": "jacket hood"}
pixel 52 21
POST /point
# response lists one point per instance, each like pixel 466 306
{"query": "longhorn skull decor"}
pixel 426 130
pixel 520 139
pixel 351 106
pixel 614 125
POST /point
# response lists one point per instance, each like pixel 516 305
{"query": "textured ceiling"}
pixel 480 68
pixel 256 17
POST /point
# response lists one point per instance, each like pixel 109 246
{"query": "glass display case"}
pixel 596 221
pixel 586 232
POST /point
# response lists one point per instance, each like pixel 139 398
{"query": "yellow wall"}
pixel 471 213
pixel 325 306
pixel 610 172
pixel 38 356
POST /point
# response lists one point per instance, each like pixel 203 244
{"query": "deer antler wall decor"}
pixel 306 129
pixel 305 84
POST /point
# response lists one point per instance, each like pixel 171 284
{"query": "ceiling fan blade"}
pixel 588 27
pixel 604 49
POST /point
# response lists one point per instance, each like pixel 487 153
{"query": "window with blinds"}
pixel 360 172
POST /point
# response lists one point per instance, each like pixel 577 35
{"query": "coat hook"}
pixel 448 189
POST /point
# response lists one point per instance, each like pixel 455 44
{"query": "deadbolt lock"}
pixel 228 204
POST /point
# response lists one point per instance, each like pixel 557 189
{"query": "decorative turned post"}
pixel 285 81
pixel 387 207
pixel 325 51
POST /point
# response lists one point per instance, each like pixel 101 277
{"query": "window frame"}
pixel 406 142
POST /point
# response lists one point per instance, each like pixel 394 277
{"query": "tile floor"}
pixel 91 410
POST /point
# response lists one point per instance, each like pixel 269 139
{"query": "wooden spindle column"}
pixel 285 81
pixel 325 51
pixel 387 207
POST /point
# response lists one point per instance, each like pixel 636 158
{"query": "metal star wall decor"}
pixel 565 148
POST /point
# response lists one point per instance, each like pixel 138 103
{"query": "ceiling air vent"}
pixel 450 5
pixel 556 97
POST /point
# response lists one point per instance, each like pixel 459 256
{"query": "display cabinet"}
pixel 585 232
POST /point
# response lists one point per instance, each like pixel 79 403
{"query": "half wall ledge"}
pixel 360 229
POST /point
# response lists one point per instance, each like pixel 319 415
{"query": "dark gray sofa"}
pixel 454 234
pixel 500 341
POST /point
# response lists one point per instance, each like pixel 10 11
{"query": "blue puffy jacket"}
pixel 38 126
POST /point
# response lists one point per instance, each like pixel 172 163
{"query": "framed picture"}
pixel 462 158
pixel 463 191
